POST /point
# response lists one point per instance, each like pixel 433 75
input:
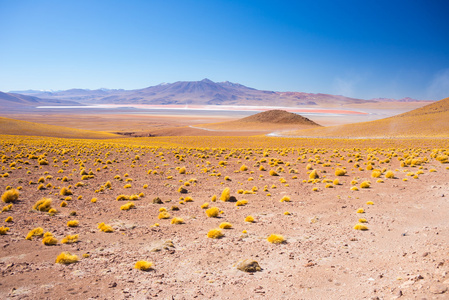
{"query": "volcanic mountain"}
pixel 428 121
pixel 267 120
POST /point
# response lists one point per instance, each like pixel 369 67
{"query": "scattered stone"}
pixel 157 200
pixel 112 285
pixel 438 289
pixel 248 265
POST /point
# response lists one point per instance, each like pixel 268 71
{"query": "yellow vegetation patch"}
pixel 360 211
pixel 10 196
pixel 276 239
pixel 360 227
pixel 42 205
pixel 39 231
pixel 66 258
pixel 127 206
pixel 225 225
pixel 73 223
pixel 3 230
pixel 365 185
pixel 226 194
pixel 105 228
pixel 242 202
pixel 8 219
pixel 249 219
pixel 177 220
pixel 389 174
pixel 215 234
pixel 213 212
pixel 70 239
pixel 49 241
pixel 163 215
pixel 340 172
pixel 143 265
pixel 285 199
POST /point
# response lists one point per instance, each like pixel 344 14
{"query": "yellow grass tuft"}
pixel 370 203
pixel 127 206
pixel 215 234
pixel 39 231
pixel 143 265
pixel 376 174
pixel 3 230
pixel 8 219
pixel 10 196
pixel 163 215
pixel 65 192
pixel 249 219
pixel 276 239
pixel 340 172
pixel 70 239
pixel 285 199
pixel 177 220
pixel 354 188
pixel 389 174
pixel 7 207
pixel 273 173
pixel 66 258
pixel 205 205
pixel 105 228
pixel 212 212
pixel 365 185
pixel 362 220
pixel 73 223
pixel 42 205
pixel 226 194
pixel 242 202
pixel 225 225
pixel 360 227
pixel 360 211
pixel 287 213
pixel 49 241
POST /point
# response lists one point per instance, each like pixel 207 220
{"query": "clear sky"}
pixel 362 49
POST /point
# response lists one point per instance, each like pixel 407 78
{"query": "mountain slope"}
pixel 428 121
pixel 12 100
pixel 18 127
pixel 204 92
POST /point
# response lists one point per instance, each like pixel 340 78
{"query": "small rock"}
pixel 112 285
pixel 157 200
pixel 438 289
pixel 248 265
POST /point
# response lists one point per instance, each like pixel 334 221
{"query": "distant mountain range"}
pixel 204 92
pixel 13 100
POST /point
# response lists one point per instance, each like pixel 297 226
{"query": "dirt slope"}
pixel 428 121
pixel 18 127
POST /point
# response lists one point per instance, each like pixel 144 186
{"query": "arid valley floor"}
pixel 164 198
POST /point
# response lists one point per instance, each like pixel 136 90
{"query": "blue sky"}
pixel 362 49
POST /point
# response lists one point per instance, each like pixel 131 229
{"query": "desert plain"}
pixel 336 213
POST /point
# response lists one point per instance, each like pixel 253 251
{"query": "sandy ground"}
pixel 149 120
pixel 404 254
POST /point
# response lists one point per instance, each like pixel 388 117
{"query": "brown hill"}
pixel 428 121
pixel 265 121
pixel 17 127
